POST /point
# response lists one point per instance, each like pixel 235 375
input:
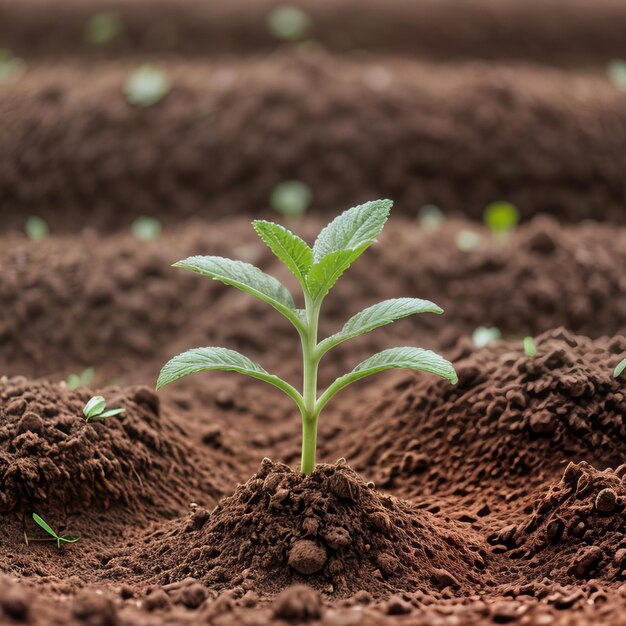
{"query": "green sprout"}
pixel 36 228
pixel 501 218
pixel 530 349
pixel 10 66
pixel 289 23
pixel 53 535
pixel 95 409
pixel 103 27
pixel 617 73
pixel 317 269
pixel 484 336
pixel 146 228
pixel 146 86
pixel 620 368
pixel 431 217
pixel 291 199
pixel 74 381
pixel 468 240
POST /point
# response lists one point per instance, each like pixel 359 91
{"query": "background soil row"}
pixel 76 153
pixel 587 33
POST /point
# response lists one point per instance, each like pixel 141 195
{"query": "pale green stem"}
pixel 310 360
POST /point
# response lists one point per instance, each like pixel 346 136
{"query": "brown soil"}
pixel 458 136
pixel 587 33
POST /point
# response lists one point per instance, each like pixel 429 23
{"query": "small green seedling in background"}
pixel 530 349
pixel 10 66
pixel 95 409
pixel 431 217
pixel 289 23
pixel 74 381
pixel 483 336
pixel 103 27
pixel 468 240
pixel 36 228
pixel 146 228
pixel 317 269
pixel 617 73
pixel 53 535
pixel 501 218
pixel 146 86
pixel 291 199
pixel 620 369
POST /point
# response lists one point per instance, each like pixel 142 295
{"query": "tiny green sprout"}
pixel 431 217
pixel 103 27
pixel 95 409
pixel 291 199
pixel 74 381
pixel 620 368
pixel 146 86
pixel 617 73
pixel 483 336
pixel 146 228
pixel 530 349
pixel 316 269
pixel 501 218
pixel 53 535
pixel 468 240
pixel 10 66
pixel 289 23
pixel 36 229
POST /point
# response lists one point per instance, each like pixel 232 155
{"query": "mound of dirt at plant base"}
pixel 493 29
pixel 504 430
pixel 577 529
pixel 459 137
pixel 51 458
pixel 329 530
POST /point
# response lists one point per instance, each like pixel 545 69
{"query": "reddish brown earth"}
pixel 458 136
pixel 565 32
pixel 498 500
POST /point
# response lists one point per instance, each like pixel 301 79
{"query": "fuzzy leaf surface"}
pixel 407 358
pixel 378 315
pixel 244 276
pixel 293 251
pixel 324 275
pixel 356 228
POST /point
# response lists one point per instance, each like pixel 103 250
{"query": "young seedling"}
pixel 530 349
pixel 53 535
pixel 36 228
pixel 482 336
pixel 103 27
pixel 620 369
pixel 74 381
pixel 146 86
pixel 317 269
pixel 289 23
pixel 291 199
pixel 146 228
pixel 501 218
pixel 95 409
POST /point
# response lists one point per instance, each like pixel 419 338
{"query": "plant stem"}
pixel 309 387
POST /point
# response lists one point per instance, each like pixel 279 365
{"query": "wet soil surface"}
pixel 458 136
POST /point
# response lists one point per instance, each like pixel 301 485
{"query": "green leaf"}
pixel 291 198
pixel 110 413
pixel 530 349
pixel 483 336
pixel 207 359
pixel 289 248
pixel 323 275
pixel 146 86
pixel 146 228
pixel 68 538
pixel 36 228
pixel 620 369
pixel 407 358
pixel 245 277
pixel 44 525
pixel 379 315
pixel 288 22
pixel 94 407
pixel 501 217
pixel 355 229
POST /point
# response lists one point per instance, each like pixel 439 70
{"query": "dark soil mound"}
pixel 50 457
pixel 508 425
pixel 329 529
pixel 229 131
pixel 577 529
pixel 492 29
